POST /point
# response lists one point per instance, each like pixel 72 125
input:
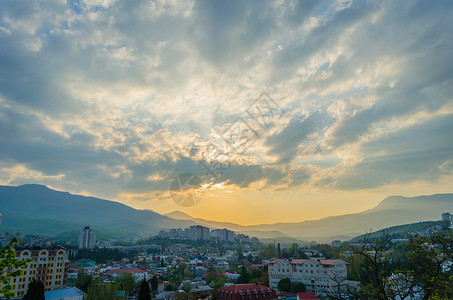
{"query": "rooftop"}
pixel 61 293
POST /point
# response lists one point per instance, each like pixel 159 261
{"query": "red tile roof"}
pixel 118 271
pixel 240 291
pixel 306 296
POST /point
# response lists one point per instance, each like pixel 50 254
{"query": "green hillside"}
pixel 401 231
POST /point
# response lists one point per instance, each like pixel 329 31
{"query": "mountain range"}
pixel 37 209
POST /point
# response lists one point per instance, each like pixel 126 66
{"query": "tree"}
pixel 171 287
pixel 268 252
pixel 35 291
pixel 244 277
pixel 284 285
pixel 154 283
pixel 83 282
pixel 125 282
pixel 426 258
pixel 239 252
pixel 144 292
pixel 100 291
pixel 299 287
pixel 10 267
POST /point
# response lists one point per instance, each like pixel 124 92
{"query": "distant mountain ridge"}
pixel 38 209
pixel 392 211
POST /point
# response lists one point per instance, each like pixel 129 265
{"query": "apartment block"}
pixel 321 276
pixel 198 232
pixel 87 238
pixel 50 266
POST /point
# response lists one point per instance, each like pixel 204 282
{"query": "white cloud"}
pixel 130 91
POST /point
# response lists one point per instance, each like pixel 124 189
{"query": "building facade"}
pixel 50 266
pixel 323 277
pixel 199 233
pixel 448 218
pixel 87 238
pixel 223 235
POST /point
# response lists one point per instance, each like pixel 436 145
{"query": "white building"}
pixel 87 238
pixel 323 277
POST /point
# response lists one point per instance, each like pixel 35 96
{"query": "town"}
pixel 203 263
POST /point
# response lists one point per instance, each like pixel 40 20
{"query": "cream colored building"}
pixel 47 265
pixel 321 276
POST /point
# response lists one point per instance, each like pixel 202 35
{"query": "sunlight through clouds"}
pixel 116 98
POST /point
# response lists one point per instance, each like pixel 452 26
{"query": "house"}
pixel 222 265
pixel 246 291
pixel 231 276
pixel 137 273
pixel 160 286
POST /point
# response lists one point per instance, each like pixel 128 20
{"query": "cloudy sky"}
pixel 285 110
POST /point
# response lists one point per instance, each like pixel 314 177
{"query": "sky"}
pixel 279 110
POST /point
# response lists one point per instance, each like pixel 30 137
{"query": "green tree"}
pixel 100 291
pixel 154 283
pixel 284 285
pixel 244 276
pixel 83 282
pixel 426 257
pixel 10 267
pixel 35 291
pixel 239 252
pixel 299 287
pixel 144 292
pixel 171 287
pixel 125 282
pixel 268 252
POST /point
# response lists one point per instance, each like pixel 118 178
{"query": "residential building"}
pixel 87 238
pixel 222 265
pixel 137 273
pixel 336 243
pixel 223 235
pixel 321 276
pixel 198 232
pixel 449 218
pixel 32 241
pixel 49 266
pixel 5 237
pixel 246 291
pixel 243 238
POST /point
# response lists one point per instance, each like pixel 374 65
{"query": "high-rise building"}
pixel 224 235
pixel 448 218
pixel 50 266
pixel 198 232
pixel 87 238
